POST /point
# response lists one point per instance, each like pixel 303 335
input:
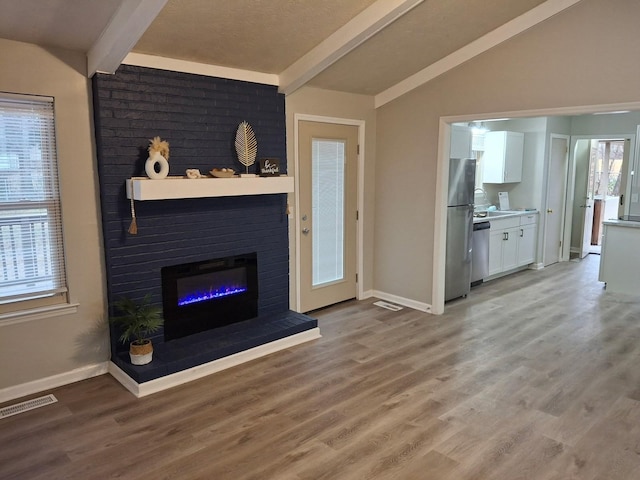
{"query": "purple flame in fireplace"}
pixel 211 285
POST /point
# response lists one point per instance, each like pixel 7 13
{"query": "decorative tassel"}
pixel 133 228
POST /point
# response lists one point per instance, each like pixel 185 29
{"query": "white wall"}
pixel 38 349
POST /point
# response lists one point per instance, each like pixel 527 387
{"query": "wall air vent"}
pixel 387 305
pixel 26 406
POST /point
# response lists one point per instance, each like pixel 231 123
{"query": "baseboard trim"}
pixel 54 381
pixel 180 378
pixel 366 294
pixel 406 302
pixel 536 266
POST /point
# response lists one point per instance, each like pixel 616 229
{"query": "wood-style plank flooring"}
pixel 533 376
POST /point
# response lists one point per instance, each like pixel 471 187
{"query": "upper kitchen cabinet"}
pixel 502 159
pixel 460 142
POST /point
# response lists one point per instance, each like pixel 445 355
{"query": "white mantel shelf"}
pixel 180 187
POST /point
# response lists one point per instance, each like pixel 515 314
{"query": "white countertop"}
pixel 504 214
pixel 622 223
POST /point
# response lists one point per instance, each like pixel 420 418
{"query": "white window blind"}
pixel 31 249
pixel 328 204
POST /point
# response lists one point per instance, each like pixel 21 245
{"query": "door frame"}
pixel 442 176
pixel 571 181
pixel 301 117
pixel 563 221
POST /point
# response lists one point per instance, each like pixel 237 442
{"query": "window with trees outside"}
pixel 31 249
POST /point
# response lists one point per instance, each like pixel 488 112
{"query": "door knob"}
pixel 305 231
pixel 549 210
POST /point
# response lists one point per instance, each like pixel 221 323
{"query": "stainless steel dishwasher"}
pixel 480 252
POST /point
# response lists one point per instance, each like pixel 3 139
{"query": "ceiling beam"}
pixel 360 28
pixel 125 28
pixel 510 29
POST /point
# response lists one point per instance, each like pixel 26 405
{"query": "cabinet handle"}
pixel 521 232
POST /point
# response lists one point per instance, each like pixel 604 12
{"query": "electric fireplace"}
pixel 212 293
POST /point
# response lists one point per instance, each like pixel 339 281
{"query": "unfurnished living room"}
pixel 319 240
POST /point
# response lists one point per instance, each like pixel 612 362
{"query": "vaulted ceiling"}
pixel 359 46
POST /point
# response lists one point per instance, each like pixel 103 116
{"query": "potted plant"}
pixel 137 321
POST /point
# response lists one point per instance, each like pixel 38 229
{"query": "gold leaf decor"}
pixel 246 145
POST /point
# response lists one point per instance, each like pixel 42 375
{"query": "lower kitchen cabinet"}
pixel 512 242
pixel 527 244
pixel 503 250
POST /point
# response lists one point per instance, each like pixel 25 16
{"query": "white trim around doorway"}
pixel 301 117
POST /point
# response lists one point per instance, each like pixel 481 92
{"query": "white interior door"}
pixel 582 222
pixel 624 197
pixel 328 156
pixel 556 191
pixel 587 216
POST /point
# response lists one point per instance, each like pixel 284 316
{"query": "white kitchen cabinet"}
pixel 503 246
pixel 512 242
pixel 527 244
pixel 461 138
pixel 495 251
pixel 503 156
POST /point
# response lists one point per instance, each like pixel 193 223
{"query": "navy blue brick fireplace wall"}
pixel 198 116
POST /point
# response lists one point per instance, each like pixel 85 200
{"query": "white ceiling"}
pixel 358 46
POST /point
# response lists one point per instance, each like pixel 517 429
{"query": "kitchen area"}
pixel 513 223
pixel 487 237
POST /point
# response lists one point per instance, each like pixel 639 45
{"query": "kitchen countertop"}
pixel 505 214
pixel 623 223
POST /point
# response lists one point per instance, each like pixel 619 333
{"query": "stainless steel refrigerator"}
pixel 462 178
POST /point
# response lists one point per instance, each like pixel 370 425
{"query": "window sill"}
pixel 21 316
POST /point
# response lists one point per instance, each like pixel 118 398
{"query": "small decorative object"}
pixel 193 173
pixel 246 147
pixel 269 167
pixel 222 172
pixel 138 320
pixel 158 155
pixel 133 227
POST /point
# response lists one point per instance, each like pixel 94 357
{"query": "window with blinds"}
pixel 328 204
pixel 31 249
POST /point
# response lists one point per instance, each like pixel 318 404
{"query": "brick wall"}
pixel 198 116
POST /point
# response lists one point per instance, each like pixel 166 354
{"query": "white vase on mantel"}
pixel 150 166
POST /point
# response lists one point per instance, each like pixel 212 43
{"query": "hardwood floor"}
pixel 533 376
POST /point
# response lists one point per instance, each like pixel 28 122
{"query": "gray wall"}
pixel 548 66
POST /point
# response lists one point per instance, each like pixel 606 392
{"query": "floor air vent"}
pixel 26 406
pixel 388 306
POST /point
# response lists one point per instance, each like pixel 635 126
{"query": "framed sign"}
pixel 269 167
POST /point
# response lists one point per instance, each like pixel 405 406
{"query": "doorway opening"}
pixel 601 165
pixel 605 177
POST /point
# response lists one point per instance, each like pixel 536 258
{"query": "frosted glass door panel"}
pixel 328 208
